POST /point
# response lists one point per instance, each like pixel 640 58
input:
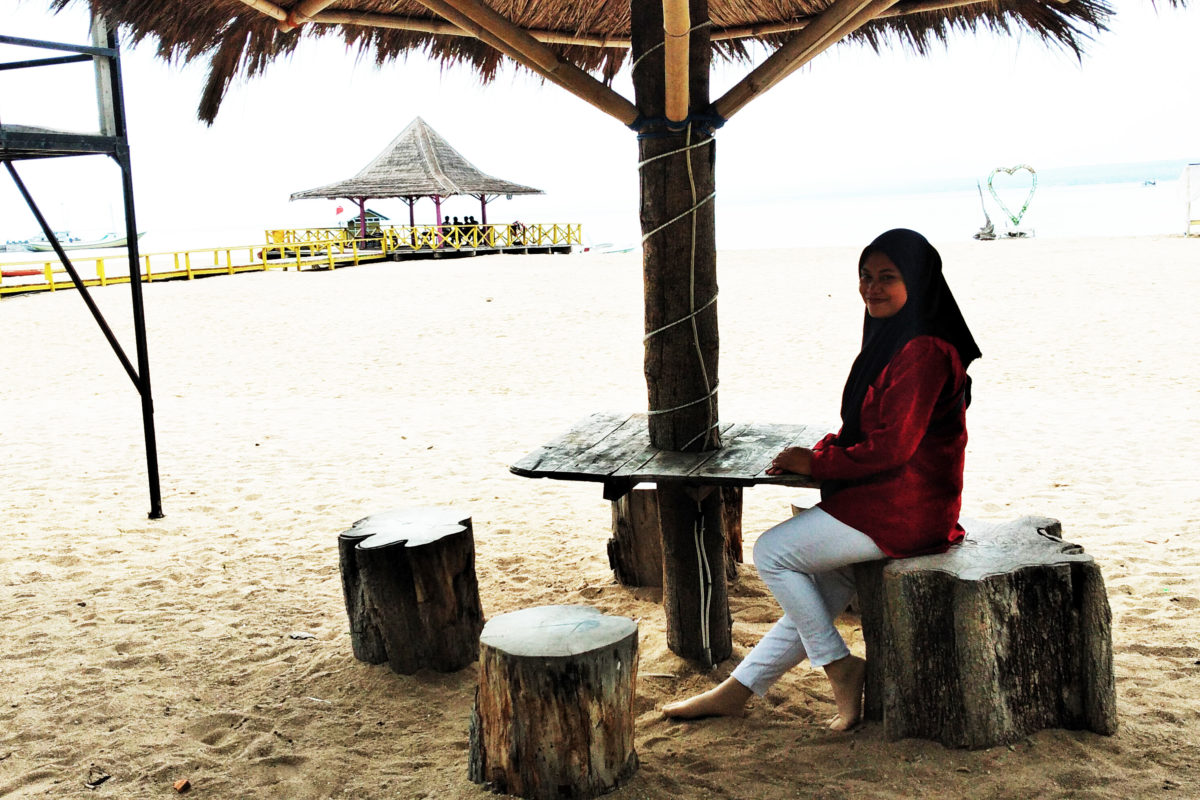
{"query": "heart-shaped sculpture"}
pixel 1016 218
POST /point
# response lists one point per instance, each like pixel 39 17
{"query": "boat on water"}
pixel 68 242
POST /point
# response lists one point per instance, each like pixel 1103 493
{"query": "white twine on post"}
pixel 706 24
pixel 697 204
pixel 705 581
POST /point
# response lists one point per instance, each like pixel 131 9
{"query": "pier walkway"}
pixel 300 249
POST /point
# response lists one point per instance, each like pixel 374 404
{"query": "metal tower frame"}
pixel 22 142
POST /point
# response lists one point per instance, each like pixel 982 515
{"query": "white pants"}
pixel 806 563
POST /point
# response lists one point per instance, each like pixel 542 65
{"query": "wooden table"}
pixel 614 449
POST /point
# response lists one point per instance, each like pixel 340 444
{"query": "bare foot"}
pixel 726 700
pixel 847 677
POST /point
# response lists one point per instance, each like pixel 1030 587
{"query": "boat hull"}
pixel 97 244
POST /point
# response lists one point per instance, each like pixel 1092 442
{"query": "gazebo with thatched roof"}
pixel 579 45
pixel 418 163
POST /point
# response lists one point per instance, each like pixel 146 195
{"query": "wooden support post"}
pixel 679 256
pixel 679 265
pixel 408 577
pixel 635 550
pixel 695 592
pixel 1004 635
pixel 553 715
pixel 731 515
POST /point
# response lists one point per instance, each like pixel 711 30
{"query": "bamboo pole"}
pixel 484 22
pixel 440 27
pixel 835 23
pixel 677 26
pixel 270 9
pixel 303 13
pixel 800 23
pixel 369 19
pixel 437 26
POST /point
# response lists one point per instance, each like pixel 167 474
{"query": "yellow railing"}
pixel 301 248
pixel 482 237
pixel 304 235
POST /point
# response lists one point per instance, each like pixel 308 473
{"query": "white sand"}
pixel 289 405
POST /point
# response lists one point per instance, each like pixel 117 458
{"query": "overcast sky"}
pixel 852 119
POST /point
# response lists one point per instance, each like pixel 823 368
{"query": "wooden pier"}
pixel 300 249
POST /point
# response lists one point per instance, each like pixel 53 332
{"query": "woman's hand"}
pixel 792 459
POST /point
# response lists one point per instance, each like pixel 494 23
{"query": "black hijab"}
pixel 929 311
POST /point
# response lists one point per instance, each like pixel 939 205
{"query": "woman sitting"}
pixel 891 478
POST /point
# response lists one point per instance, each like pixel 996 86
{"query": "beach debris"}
pixel 301 635
pixel 319 700
pixel 182 785
pixel 96 776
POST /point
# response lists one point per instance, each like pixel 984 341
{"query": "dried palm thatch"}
pixel 241 37
pixel 418 163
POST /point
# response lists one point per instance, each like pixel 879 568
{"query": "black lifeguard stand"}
pixel 23 142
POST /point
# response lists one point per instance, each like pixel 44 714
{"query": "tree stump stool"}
pixel 408 577
pixel 1005 634
pixel 553 714
pixel 635 549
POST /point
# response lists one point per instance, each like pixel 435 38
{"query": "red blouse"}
pixel 907 473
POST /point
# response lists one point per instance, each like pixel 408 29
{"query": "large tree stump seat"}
pixel 553 715
pixel 1005 634
pixel 408 577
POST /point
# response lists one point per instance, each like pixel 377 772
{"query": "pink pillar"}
pixel 412 201
pixel 362 217
pixel 483 209
pixel 437 211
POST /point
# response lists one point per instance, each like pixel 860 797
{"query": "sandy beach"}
pixel 289 405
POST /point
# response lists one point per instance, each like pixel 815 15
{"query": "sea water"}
pixel 1136 199
pixel 1111 200
pixel 1133 199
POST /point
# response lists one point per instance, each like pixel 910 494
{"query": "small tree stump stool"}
pixel 1005 634
pixel 635 550
pixel 408 577
pixel 553 714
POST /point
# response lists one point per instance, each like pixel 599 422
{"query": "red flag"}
pixel 339 210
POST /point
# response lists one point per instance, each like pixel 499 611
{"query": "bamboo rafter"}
pixel 372 20
pixel 436 26
pixel 482 20
pixel 835 23
pixel 677 34
pixel 529 48
pixel 270 9
pixel 302 13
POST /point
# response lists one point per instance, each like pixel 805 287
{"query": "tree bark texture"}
pixel 1005 634
pixel 731 511
pixel 635 550
pixel 553 715
pixel 408 577
pixel 679 260
pixel 695 592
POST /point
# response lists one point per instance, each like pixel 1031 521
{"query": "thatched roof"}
pixel 241 37
pixel 418 163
